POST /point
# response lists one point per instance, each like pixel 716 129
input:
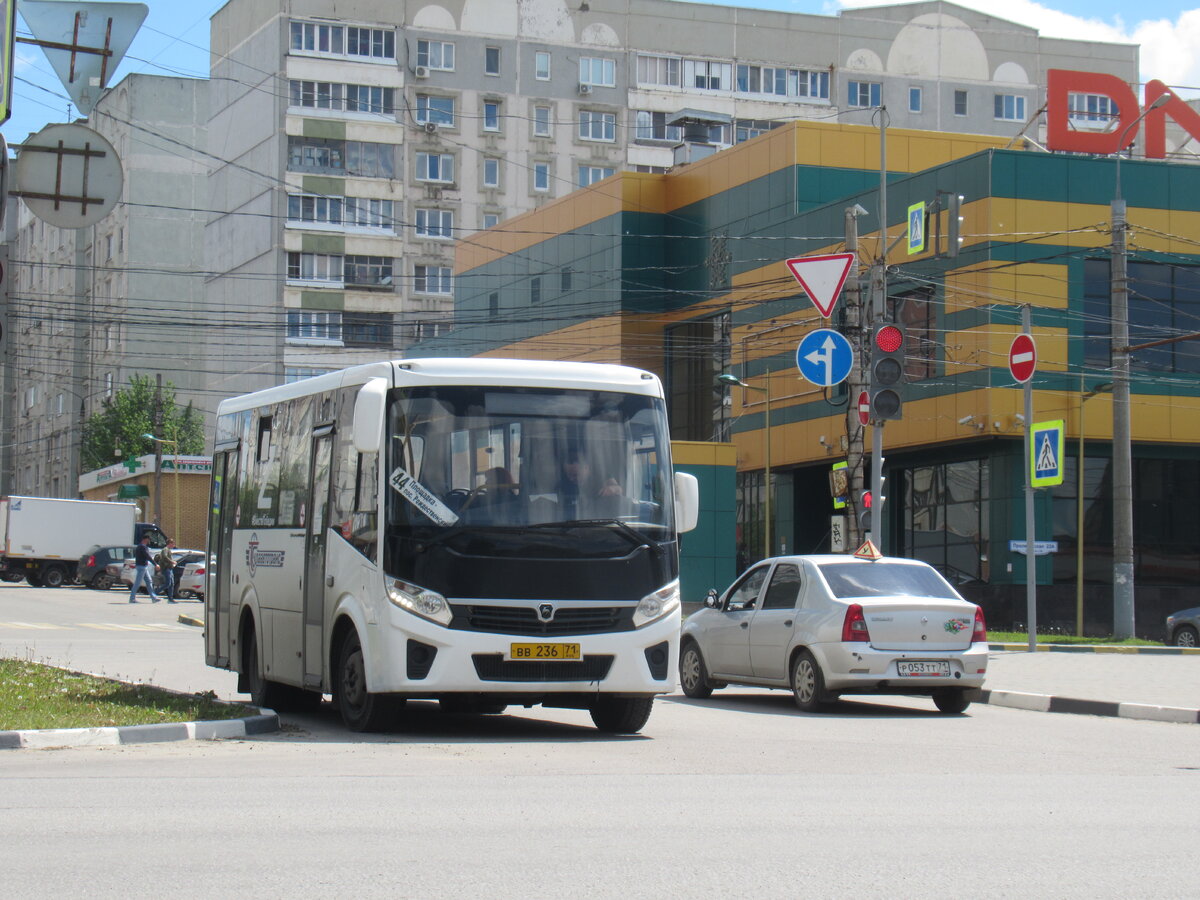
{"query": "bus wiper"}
pixel 636 537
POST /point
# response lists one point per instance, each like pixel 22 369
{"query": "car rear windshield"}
pixel 879 579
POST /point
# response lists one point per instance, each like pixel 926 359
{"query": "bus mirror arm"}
pixel 368 415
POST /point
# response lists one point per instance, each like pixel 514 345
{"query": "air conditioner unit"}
pixel 431 128
pixel 421 72
pixel 585 89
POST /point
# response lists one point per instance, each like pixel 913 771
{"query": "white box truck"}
pixel 43 538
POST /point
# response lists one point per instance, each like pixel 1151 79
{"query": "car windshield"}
pixel 850 580
pixel 511 458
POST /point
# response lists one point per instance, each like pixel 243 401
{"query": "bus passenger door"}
pixel 315 543
pixel 220 549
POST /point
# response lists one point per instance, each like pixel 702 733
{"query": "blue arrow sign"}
pixel 824 357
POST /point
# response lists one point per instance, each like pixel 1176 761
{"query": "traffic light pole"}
pixel 857 382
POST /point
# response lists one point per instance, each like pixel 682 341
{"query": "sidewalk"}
pixel 1144 685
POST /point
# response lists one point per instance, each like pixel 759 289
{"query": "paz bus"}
pixel 480 532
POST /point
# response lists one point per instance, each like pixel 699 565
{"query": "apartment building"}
pixel 90 307
pixel 359 140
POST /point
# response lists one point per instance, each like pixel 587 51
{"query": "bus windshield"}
pixel 505 458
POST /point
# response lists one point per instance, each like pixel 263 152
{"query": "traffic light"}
pixel 954 232
pixel 887 371
pixel 864 512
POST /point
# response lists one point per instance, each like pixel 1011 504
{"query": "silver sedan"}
pixel 828 625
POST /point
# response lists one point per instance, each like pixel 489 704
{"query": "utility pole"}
pixel 878 314
pixel 857 381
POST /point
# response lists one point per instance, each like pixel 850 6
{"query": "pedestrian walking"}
pixel 143 570
pixel 166 565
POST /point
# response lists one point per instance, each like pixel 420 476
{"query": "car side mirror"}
pixel 712 600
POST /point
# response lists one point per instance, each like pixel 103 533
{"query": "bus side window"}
pixel 363 518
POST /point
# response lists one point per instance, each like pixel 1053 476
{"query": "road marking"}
pixel 102 626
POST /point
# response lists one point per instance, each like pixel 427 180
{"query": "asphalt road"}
pixel 738 795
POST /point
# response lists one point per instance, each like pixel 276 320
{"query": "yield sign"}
pixel 822 277
pixel 1022 358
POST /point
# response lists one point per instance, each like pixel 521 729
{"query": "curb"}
pixel 190 620
pixel 1055 704
pixel 265 722
pixel 1097 648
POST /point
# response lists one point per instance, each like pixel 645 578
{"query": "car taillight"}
pixel 854 628
pixel 91 561
pixel 199 571
pixel 980 632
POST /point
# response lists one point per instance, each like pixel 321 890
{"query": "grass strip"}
pixel 1022 637
pixel 37 696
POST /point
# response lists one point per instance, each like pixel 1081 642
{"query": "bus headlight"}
pixel 654 606
pixel 420 601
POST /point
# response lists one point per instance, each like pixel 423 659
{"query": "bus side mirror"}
pixel 687 501
pixel 368 415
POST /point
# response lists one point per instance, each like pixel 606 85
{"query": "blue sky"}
pixel 174 41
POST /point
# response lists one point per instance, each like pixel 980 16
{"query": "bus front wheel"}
pixel 621 715
pixel 361 710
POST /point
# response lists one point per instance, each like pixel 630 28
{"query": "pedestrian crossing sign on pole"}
pixel 1046 440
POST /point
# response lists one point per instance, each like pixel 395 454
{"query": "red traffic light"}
pixel 889 338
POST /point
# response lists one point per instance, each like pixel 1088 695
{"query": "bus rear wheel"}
pixel 621 715
pixel 361 710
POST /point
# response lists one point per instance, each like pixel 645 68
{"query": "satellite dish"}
pixel 68 176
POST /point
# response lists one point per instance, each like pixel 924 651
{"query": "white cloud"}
pixel 1170 51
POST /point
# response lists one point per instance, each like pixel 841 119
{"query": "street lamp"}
pixel 726 378
pixel 1104 388
pixel 1122 481
pixel 158 458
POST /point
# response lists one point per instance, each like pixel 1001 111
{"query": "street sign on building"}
pixel 1046 440
pixel 825 357
pixel 1022 358
pixel 822 277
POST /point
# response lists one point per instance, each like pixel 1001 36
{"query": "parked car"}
pixel 822 626
pixel 191 583
pixel 93 566
pixel 182 558
pixel 1183 628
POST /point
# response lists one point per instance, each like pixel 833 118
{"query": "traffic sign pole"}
pixel 1018 369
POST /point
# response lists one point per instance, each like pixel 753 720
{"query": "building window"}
pixel 370 160
pixel 597 71
pixel 343 97
pixel 946 517
pixel 108 247
pixel 438 110
pixel 429 329
pixel 316 155
pixel 108 384
pixel 591 174
pixel 541 65
pixel 916 312
pixel 369 272
pixel 914 99
pixel 58 404
pixel 309 326
pixel 781 82
pixel 493 304
pixel 432 280
pixel 864 93
pixel 491 173
pixel 299 373
pixel 1094 108
pixel 364 329
pixel 594 126
pixel 314 210
pixel 652 126
pixel 535 290
pixel 436 55
pixel 491 60
pixel 1010 107
pixel 320 267
pixel 490 219
pixel 435 223
pixel 339 40
pixel 541 121
pixel 707 75
pixel 745 129
pixel 368 212
pixel 658 70
pixel 541 176
pixel 697 352
pixel 960 103
pixel 435 167
pixel 491 115
pixel 565 279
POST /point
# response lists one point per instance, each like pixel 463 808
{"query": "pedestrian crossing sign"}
pixel 1046 440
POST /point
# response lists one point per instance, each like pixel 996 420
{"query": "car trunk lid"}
pixel 912 624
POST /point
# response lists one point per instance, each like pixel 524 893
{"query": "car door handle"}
pixel 787 623
pixel 745 624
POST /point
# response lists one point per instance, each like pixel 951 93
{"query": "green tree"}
pixel 115 432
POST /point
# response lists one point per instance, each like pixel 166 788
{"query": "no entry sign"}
pixel 864 408
pixel 1022 358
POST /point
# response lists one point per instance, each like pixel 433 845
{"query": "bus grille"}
pixel 524 620
pixel 494 667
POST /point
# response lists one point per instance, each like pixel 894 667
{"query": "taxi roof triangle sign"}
pixel 868 551
pixel 822 277
pixel 94 36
